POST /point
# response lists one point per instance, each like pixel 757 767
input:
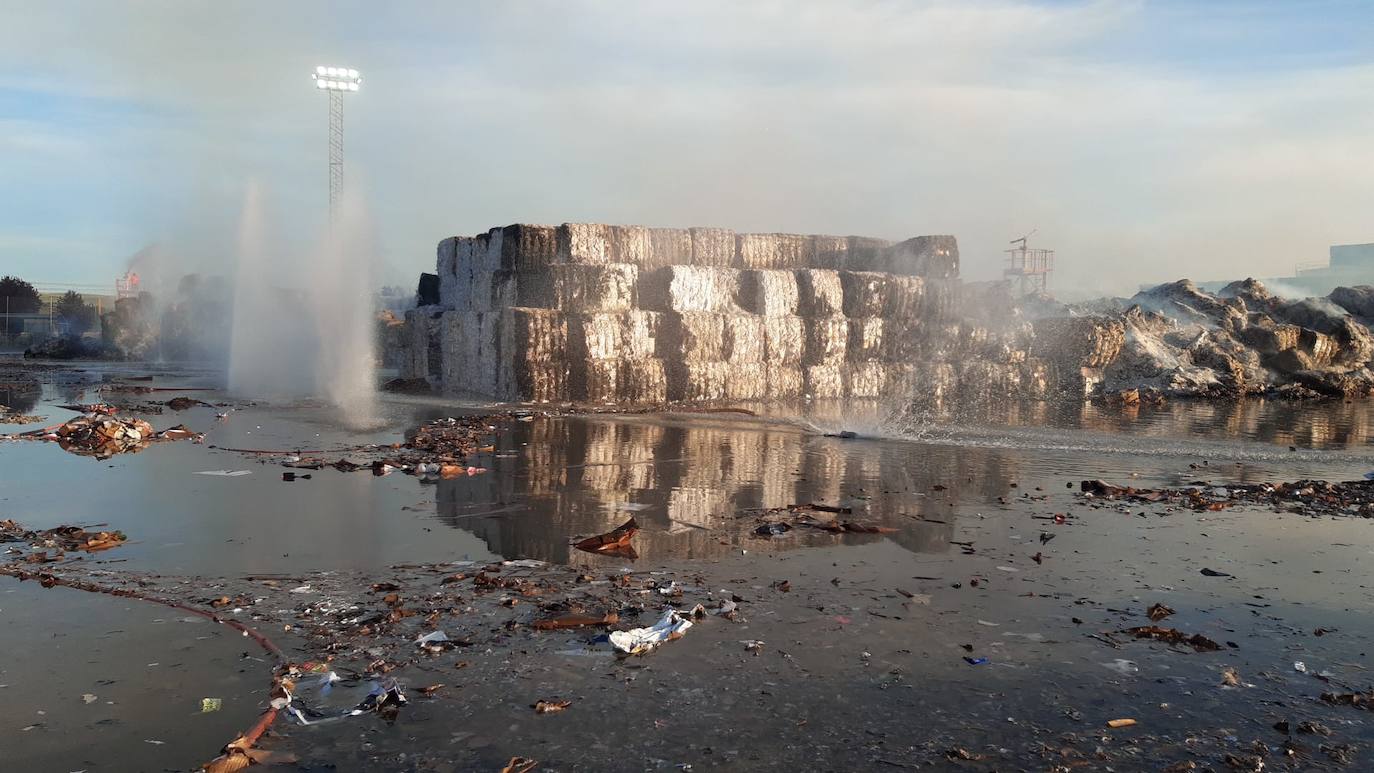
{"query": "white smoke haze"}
pixel 1145 141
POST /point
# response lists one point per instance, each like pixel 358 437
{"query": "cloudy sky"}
pixel 1144 140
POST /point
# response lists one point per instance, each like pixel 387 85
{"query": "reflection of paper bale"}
pixel 692 336
pixel 830 251
pixel 774 251
pixel 826 339
pixel 768 292
pixel 744 338
pixel 785 382
pixel 866 379
pixel 819 293
pixel 689 288
pixel 698 507
pixel 746 381
pixel 865 339
pixel 865 293
pixel 669 247
pixel 713 247
pixel 784 340
pixel 823 381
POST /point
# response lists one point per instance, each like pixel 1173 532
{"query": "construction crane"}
pixel 1028 268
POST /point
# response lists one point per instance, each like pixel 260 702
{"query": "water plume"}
pixel 303 322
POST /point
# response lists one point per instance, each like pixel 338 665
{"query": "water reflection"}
pixel 692 487
pixel 19 393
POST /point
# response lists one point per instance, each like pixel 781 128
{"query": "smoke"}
pixel 303 323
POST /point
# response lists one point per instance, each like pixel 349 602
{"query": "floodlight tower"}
pixel 337 81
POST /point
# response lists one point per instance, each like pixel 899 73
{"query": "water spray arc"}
pixel 336 81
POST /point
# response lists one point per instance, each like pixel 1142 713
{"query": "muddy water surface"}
pixel 864 660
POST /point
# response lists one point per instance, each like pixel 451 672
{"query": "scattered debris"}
pixel 1158 612
pixel 638 641
pixel 1174 637
pixel 613 543
pixel 550 706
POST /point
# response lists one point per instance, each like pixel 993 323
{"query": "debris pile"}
pixel 1306 497
pixel 59 539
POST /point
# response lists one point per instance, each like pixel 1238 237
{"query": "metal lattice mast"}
pixel 337 81
pixel 335 152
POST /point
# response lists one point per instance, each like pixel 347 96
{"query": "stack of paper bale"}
pixel 627 314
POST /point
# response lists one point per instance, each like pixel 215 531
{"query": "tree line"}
pixel 19 297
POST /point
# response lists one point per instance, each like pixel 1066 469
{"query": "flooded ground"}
pixel 975 632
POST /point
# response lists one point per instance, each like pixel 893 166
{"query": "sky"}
pixel 1144 141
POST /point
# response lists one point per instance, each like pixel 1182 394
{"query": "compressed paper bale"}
pixel 774 250
pixel 613 334
pixel 865 254
pixel 470 359
pixel 641 333
pixel 904 339
pixel 829 251
pixel 494 291
pixel 744 338
pixel 784 340
pixel 533 382
pixel 599 381
pixel 865 379
pixel 697 380
pixel 444 266
pixel 902 379
pixel 941 301
pixel 596 336
pixel 823 381
pixel 592 288
pixel 689 288
pixel 936 257
pixel 770 292
pixel 540 331
pixel 415 345
pixel 691 336
pixel 627 244
pixel 642 380
pixel 866 341
pixel 904 297
pixel 826 340
pixel 746 381
pixel 819 293
pixel 713 247
pixel 533 346
pixel 487 252
pixel 865 293
pixel 669 247
pixel 785 381
pixel 583 243
pixel 525 247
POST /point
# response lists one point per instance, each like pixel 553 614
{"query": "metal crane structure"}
pixel 337 81
pixel 1028 268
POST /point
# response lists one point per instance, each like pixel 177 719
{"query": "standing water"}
pixel 302 324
